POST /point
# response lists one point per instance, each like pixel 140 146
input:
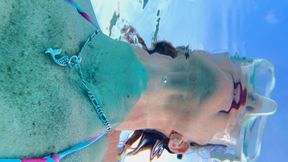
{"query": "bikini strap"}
pixel 84 14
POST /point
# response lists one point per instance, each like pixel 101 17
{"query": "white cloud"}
pixel 271 18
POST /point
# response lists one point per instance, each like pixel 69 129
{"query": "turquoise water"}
pixel 261 32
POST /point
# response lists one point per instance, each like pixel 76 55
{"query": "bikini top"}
pixel 73 62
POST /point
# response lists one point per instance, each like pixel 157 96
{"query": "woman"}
pixel 45 111
pixel 217 98
pixel 199 90
pixel 205 101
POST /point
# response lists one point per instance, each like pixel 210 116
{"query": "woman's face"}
pixel 194 94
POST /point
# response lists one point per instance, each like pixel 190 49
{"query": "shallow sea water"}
pixel 18 113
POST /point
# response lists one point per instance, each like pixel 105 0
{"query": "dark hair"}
pixel 156 142
pixel 150 139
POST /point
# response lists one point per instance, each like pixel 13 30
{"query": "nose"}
pixel 261 83
pixel 258 105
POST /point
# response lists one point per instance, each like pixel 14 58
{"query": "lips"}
pixel 239 97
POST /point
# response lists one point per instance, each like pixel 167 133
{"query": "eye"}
pixel 249 108
pixel 193 144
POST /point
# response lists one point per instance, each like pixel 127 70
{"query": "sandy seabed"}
pixel 42 107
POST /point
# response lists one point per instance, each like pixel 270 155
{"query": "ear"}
pixel 178 148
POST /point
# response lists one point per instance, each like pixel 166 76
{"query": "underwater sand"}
pixel 42 107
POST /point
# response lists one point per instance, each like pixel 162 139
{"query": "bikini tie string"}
pixel 73 62
pixel 84 14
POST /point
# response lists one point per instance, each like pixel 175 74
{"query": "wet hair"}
pixel 156 142
pixel 161 47
pixel 164 48
pixel 150 139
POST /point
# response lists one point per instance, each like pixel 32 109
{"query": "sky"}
pixel 265 34
pixel 257 29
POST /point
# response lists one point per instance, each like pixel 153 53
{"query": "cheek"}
pixel 222 97
pixel 225 93
pixel 201 124
pixel 205 120
pixel 203 128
